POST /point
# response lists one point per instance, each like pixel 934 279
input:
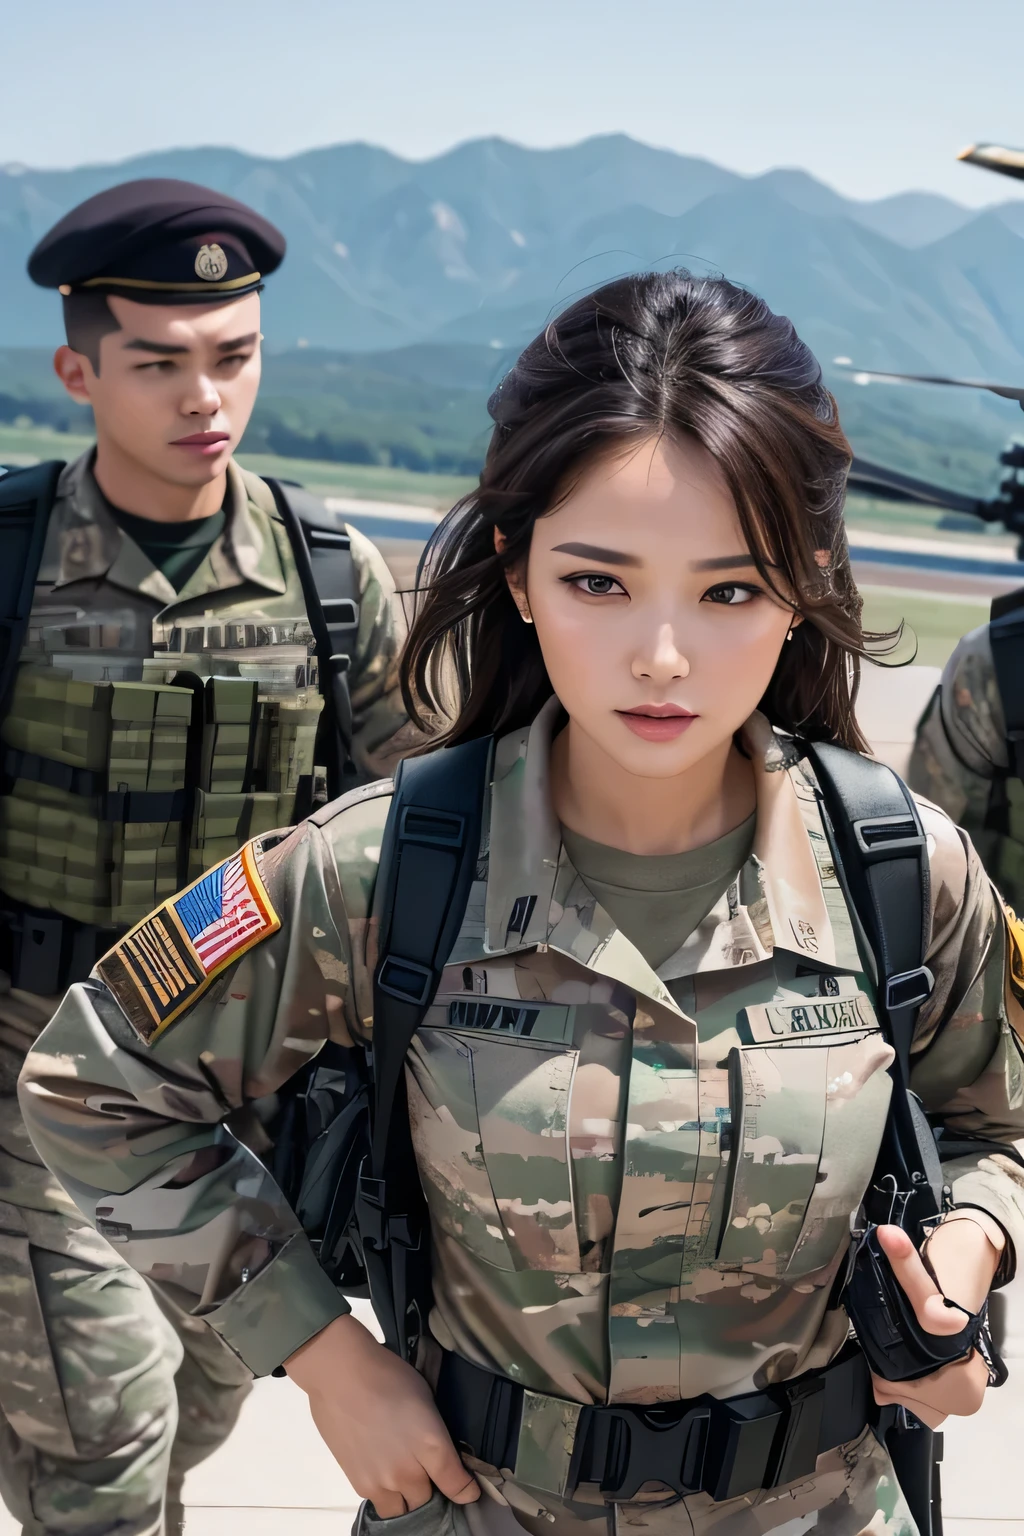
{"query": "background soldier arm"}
pixel 961 738
pixel 382 730
pixel 138 1133
pixel 968 1065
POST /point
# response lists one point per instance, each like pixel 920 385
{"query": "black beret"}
pixel 159 241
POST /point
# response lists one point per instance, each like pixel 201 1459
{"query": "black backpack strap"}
pixel 330 588
pixel 881 855
pixel 876 829
pixel 427 865
pixel 26 500
pixel 1006 634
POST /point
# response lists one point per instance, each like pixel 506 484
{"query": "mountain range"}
pixel 479 245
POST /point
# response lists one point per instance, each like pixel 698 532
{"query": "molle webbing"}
pixel 94 779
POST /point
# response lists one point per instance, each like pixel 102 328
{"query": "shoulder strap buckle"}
pixel 880 837
pixel 909 989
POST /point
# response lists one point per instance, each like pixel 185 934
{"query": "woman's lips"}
pixel 207 444
pixel 657 722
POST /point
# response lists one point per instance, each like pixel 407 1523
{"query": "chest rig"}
pixel 120 788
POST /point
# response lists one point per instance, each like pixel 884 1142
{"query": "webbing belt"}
pixel 118 805
pixel 722 1447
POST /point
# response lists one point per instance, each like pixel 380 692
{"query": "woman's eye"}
pixel 730 594
pixel 595 586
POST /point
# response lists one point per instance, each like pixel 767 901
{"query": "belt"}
pixel 119 805
pixel 722 1447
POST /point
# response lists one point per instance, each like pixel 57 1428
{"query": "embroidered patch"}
pixel 1015 953
pixel 167 961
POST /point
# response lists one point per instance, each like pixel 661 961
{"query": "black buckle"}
pixel 406 980
pixel 620 1449
pixel 909 989
pixel 441 829
pixel 723 1448
pixel 339 612
pixel 879 837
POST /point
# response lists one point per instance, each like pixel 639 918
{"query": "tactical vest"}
pixel 119 789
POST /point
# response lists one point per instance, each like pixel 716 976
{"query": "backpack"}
pixel 1006 634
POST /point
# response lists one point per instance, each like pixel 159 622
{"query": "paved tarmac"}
pixel 276 1478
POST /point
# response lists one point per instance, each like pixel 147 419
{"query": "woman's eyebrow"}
pixel 595 552
pixel 722 563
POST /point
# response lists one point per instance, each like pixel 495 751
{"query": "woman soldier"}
pixel 647 1099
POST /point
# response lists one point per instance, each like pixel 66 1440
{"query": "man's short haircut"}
pixel 88 317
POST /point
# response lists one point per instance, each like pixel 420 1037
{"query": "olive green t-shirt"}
pixel 176 549
pixel 657 900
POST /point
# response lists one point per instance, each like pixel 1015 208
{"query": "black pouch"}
pixel 897 1348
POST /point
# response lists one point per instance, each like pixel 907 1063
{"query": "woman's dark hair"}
pixel 656 352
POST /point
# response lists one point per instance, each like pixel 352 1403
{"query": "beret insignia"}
pixel 165 964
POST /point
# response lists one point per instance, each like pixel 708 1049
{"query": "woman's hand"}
pixel 377 1417
pixel 965 1261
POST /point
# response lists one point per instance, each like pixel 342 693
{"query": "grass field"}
pixel 24 445
pixel 933 621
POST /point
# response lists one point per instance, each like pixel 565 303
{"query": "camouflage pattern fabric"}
pixel 640 1184
pixel 960 755
pixel 89 1398
pixel 97 1371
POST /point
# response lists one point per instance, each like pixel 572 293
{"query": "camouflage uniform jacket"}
pixel 960 759
pixel 107 636
pixel 640 1185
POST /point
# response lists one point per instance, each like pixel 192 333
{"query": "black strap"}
pixel 875 828
pixel 1006 634
pixel 26 500
pixel 117 805
pixel 725 1447
pixel 330 588
pixel 428 861
pixel 881 856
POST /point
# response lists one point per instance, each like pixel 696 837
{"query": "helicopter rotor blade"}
pixel 995 157
pixel 889 485
pixel 1005 391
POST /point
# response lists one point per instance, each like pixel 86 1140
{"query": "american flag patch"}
pixel 167 961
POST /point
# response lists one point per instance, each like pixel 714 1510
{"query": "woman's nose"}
pixel 663 662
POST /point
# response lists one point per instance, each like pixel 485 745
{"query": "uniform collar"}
pixel 247 551
pixel 535 896
pixel 93 545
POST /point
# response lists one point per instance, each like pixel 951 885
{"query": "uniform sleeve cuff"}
pixel 282 1307
pixel 1000 1196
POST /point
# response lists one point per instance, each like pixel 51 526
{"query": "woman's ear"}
pixel 515 575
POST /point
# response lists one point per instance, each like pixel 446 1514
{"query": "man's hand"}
pixel 377 1417
pixel 965 1261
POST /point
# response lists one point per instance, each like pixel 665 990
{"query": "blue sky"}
pixel 873 96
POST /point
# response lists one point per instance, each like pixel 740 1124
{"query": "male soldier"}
pixel 171 692
pixel 965 757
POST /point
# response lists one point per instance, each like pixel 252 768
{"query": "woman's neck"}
pixel 597 798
